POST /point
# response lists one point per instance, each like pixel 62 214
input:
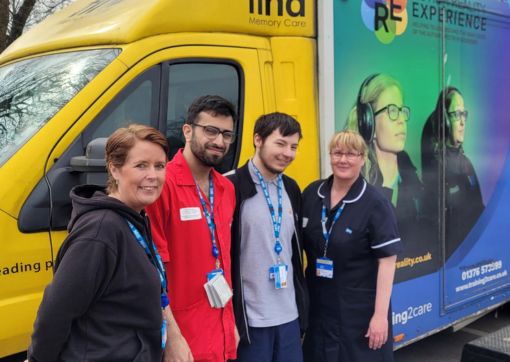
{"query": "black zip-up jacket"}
pixel 245 189
pixel 104 301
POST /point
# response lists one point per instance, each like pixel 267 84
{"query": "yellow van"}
pixel 100 64
pixel 97 65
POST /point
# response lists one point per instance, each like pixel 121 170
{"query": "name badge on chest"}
pixel 190 213
pixel 324 268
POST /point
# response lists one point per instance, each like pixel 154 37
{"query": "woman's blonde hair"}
pixel 349 139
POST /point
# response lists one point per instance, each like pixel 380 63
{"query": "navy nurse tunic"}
pixel 341 307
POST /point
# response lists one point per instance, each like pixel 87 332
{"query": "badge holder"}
pixel 324 265
pixel 278 273
pixel 212 274
pixel 324 268
pixel 218 291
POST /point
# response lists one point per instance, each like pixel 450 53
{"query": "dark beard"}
pixel 206 159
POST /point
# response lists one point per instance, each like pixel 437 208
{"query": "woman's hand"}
pixel 378 330
pixel 377 333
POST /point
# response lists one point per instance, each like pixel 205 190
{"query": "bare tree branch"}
pixel 17 16
pixel 4 23
pixel 20 19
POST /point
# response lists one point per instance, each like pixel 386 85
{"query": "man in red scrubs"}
pixel 191 228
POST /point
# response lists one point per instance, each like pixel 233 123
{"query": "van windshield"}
pixel 33 90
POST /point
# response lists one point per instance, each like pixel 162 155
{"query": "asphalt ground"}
pixel 445 346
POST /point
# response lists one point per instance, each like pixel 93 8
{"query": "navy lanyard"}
pixel 277 222
pixel 209 216
pixel 157 262
pixel 327 233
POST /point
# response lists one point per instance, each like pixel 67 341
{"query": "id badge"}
pixel 280 276
pixel 324 268
pixel 213 273
pixel 272 269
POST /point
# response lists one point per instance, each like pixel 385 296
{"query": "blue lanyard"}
pixel 157 263
pixel 327 233
pixel 277 222
pixel 209 216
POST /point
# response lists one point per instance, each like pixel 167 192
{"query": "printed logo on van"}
pixel 293 8
pixel 386 18
pixel 279 14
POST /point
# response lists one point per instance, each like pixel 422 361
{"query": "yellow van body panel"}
pixel 295 86
pixel 90 22
pixel 289 86
pixel 278 68
pixel 131 54
pixel 25 269
pixel 21 173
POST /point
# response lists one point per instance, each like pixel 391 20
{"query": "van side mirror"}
pixel 71 169
pixel 93 163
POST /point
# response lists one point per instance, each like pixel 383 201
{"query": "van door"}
pixel 156 90
pixel 475 139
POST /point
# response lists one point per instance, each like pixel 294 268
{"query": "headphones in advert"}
pixel 365 113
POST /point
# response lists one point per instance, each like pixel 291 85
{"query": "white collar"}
pixel 354 199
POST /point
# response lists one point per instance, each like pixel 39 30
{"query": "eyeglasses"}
pixel 350 155
pixel 212 133
pixel 394 112
pixel 458 115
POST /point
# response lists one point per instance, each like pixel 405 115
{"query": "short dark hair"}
pixel 122 141
pixel 268 123
pixel 214 105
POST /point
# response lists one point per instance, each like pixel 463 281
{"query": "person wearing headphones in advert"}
pixel 380 116
pixel 463 198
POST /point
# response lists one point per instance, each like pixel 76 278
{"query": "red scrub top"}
pixel 182 236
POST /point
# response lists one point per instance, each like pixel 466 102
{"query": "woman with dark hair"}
pixel 108 297
pixel 463 199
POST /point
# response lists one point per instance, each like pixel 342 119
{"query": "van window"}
pixel 33 90
pixel 136 103
pixel 187 81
